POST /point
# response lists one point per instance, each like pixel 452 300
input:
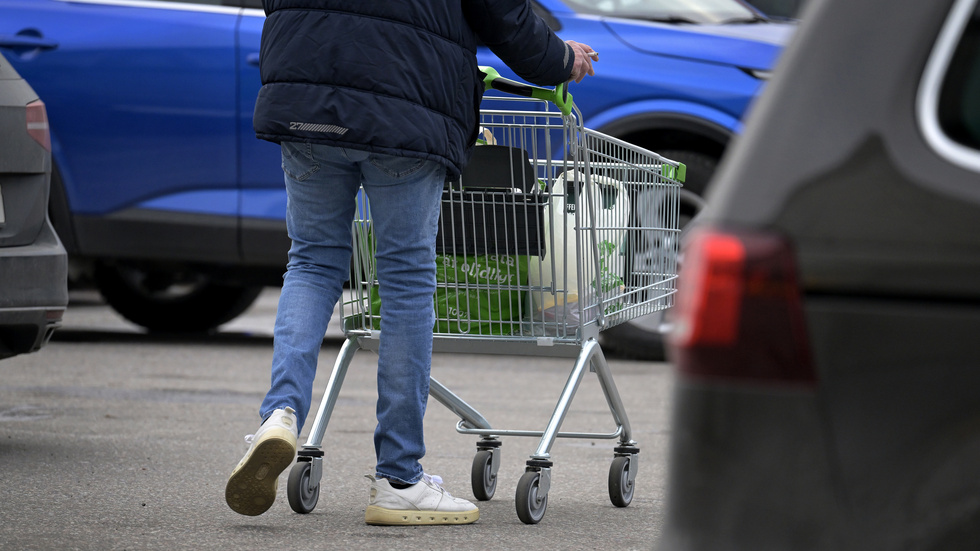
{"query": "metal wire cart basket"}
pixel 554 233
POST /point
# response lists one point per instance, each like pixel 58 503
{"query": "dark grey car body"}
pixel 33 262
pixel 864 155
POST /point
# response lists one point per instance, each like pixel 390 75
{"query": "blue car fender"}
pixel 667 115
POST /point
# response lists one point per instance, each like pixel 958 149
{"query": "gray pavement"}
pixel 113 439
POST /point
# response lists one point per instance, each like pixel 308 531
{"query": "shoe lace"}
pixel 435 481
pixel 249 438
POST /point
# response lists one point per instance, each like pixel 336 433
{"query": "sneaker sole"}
pixel 251 488
pixel 379 516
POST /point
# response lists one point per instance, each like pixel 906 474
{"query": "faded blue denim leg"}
pixel 321 183
pixel 404 196
pixel 320 186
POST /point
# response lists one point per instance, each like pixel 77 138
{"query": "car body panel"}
pixel 901 418
pixel 260 169
pixel 156 105
pixel 756 428
pixel 669 113
pixel 25 167
pixel 34 275
pixel 749 46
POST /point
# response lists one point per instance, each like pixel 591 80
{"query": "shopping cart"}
pixel 554 233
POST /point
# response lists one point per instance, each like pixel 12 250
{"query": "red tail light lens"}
pixel 739 313
pixel 37 124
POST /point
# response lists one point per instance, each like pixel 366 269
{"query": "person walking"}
pixel 384 96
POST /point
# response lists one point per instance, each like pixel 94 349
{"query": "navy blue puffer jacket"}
pixel 395 76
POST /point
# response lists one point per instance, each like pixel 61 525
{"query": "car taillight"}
pixel 739 313
pixel 37 124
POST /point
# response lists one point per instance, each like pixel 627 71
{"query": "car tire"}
pixel 167 303
pixel 643 338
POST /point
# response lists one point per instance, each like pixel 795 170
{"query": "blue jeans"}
pixel 404 193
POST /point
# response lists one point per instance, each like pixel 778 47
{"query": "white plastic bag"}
pixel 557 294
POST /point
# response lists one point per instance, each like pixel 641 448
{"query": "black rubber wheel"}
pixel 482 479
pixel 169 302
pixel 530 508
pixel 700 168
pixel 620 489
pixel 643 338
pixel 302 498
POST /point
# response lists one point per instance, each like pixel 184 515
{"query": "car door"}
pixel 263 193
pixel 142 102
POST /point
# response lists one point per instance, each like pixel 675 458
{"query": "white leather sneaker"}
pixel 423 503
pixel 251 488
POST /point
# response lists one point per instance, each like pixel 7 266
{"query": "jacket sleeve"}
pixel 521 39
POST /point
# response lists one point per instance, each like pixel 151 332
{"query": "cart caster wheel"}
pixel 530 508
pixel 302 498
pixel 482 477
pixel 620 488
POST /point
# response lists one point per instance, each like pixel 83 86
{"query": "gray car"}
pixel 827 328
pixel 33 262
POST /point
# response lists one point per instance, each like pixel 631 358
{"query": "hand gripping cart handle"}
pixel 554 233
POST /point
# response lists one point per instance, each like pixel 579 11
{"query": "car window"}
pixel 231 3
pixel 949 95
pixel 210 2
pixel 959 99
pixel 213 6
pixel 244 3
pixel 669 11
pixel 789 9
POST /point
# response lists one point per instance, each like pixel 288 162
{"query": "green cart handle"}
pixel 559 95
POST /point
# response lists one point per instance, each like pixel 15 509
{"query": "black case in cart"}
pixel 496 207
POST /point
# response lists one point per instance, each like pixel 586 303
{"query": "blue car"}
pixel 165 199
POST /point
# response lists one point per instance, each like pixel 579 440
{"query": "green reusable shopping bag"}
pixel 487 229
pixel 475 295
pixel 479 294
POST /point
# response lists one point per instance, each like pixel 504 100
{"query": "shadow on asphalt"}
pixel 87 299
pixel 91 299
pixel 125 337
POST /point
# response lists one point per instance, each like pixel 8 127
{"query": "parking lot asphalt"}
pixel 114 439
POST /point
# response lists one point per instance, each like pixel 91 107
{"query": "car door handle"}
pixel 252 59
pixel 22 42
